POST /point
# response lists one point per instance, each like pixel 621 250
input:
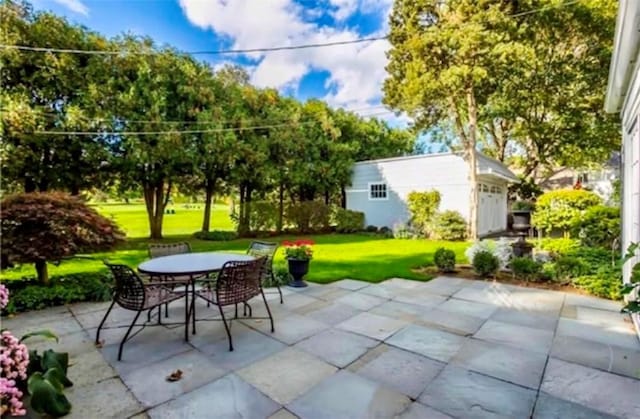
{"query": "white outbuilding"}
pixel 379 188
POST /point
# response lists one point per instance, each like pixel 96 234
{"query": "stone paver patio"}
pixel 398 349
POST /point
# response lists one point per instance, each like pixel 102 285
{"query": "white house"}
pixel 379 188
pixel 623 96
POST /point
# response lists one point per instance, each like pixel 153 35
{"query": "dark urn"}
pixel 298 268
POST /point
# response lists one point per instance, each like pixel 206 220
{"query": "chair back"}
pixel 260 249
pixel 129 291
pixel 157 250
pixel 239 281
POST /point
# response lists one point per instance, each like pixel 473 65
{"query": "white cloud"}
pixel 356 71
pixel 76 6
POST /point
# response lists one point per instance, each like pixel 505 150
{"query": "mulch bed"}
pixel 466 272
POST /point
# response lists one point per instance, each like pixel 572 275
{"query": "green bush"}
pixel 216 235
pixel 371 229
pixel 560 209
pixel 309 216
pixel 263 216
pixel 348 221
pixel 526 268
pixel 557 247
pixel 423 206
pixel 28 294
pixel 485 263
pixel 567 267
pixel 449 225
pixel 522 206
pixel 595 257
pixel 599 226
pixel 445 259
pixel 605 285
pixel 385 231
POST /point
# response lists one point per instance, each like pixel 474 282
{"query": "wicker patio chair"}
pixel 268 250
pixel 237 282
pixel 157 250
pixel 132 293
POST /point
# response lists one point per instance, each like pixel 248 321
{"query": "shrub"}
pixel 423 206
pixel 522 206
pixel 567 267
pixel 280 277
pixel 263 216
pixel 309 216
pixel 526 190
pixel 599 226
pixel 403 231
pixel 526 268
pixel 28 294
pixel 216 235
pixel 601 285
pixel 445 259
pixel 41 227
pixel 385 231
pixel 485 264
pixel 348 221
pixel 557 247
pixel 501 249
pixel 371 229
pixel 595 257
pixel 449 225
pixel 560 209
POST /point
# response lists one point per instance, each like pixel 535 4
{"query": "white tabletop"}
pixel 190 263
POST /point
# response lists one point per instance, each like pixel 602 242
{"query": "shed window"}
pixel 377 191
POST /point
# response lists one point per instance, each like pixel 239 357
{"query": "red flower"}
pixel 287 243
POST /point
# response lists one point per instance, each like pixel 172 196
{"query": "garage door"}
pixel 492 207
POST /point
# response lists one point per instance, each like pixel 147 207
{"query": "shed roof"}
pixel 486 165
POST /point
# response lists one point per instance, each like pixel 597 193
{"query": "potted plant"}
pixel 298 255
pixel 521 211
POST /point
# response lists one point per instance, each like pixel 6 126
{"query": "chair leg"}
pixel 268 310
pixel 166 310
pixel 126 336
pixel 226 327
pixel 104 319
pixel 273 281
pixel 160 314
pixel 236 316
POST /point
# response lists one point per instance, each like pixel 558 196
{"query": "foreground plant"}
pixel 299 249
pixel 632 289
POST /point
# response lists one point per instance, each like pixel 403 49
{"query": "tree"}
pixel 441 64
pixel 40 227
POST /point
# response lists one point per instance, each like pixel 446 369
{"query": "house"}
pixel 623 96
pixel 599 180
pixel 379 188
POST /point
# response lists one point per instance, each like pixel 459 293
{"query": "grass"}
pixel 133 219
pixel 336 256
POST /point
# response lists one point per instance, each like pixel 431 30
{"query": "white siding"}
pixel 446 173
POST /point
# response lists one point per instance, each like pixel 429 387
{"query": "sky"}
pixel 348 76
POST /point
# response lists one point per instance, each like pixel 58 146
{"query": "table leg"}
pixel 193 302
pixel 186 313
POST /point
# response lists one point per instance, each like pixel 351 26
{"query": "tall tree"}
pixel 441 64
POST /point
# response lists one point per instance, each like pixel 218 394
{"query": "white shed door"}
pixel 492 207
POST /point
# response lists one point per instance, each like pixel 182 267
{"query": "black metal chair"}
pixel 157 250
pixel 237 282
pixel 268 250
pixel 132 293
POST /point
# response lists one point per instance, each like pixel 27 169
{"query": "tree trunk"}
pixel 241 210
pixel 208 199
pixel 42 272
pixel 343 197
pixel 247 210
pixel 29 184
pixel 470 149
pixel 280 221
pixel 156 200
pixel 326 197
pixel 75 190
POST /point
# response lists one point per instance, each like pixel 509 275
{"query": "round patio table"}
pixel 191 265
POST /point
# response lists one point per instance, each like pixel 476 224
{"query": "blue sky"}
pixel 345 76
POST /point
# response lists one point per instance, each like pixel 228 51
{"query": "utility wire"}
pixel 195 131
pixel 211 52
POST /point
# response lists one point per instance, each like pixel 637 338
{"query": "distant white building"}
pixel 379 188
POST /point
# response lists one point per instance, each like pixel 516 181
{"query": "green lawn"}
pixel 133 219
pixel 336 256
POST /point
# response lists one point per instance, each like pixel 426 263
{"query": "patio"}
pixel 446 348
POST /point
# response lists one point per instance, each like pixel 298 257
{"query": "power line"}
pixel 210 52
pixel 197 131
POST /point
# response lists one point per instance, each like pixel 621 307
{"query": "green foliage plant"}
pixel 632 289
pixel 522 206
pixel 309 216
pixel 557 246
pixel 525 190
pixel 216 235
pixel 565 268
pixel 561 209
pixel 348 221
pixel 423 207
pixel 449 225
pixel 485 264
pixel 445 260
pixel 599 226
pixel 526 268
